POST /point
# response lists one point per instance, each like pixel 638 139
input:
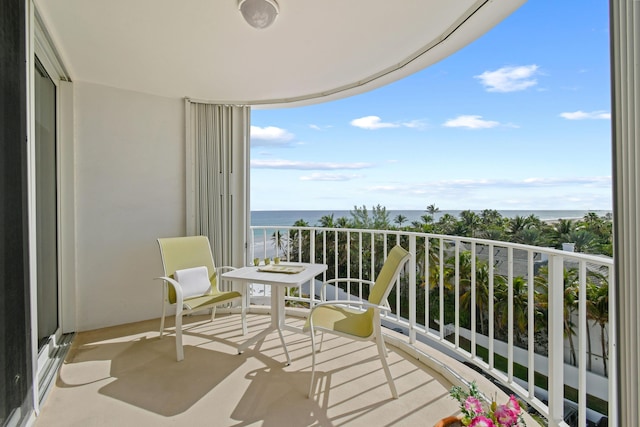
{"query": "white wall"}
pixel 130 184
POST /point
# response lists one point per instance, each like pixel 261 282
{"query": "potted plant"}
pixel 478 412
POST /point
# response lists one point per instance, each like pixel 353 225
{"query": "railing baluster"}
pixel 510 314
pixel 457 295
pixel 348 247
pixel 427 285
pixel 398 291
pixel 312 247
pixel 530 326
pixel 336 262
pixel 582 344
pixel 556 329
pixel 360 256
pixel 372 273
pixel 492 316
pixel 441 286
pixel 473 299
pixel 412 289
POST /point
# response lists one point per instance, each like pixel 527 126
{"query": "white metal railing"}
pixel 477 299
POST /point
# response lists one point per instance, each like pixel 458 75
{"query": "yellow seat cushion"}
pixel 214 298
pixel 342 319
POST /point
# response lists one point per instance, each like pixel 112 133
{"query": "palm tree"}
pixel 491 233
pixel 300 241
pixel 343 222
pixel 517 224
pixel 470 221
pixel 400 219
pixel 432 209
pixel 520 305
pixel 327 221
pixel 527 236
pixel 427 218
pixel 598 311
pixel 280 242
pixel 570 301
pixel 446 224
pixel 561 231
pixel 482 294
pixel 583 239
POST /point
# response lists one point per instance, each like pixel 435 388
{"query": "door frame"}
pixel 41 45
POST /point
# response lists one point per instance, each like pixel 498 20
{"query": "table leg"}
pixel 278 300
pixel 277 322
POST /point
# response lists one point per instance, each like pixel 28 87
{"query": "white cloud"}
pixel 302 165
pixel 319 128
pixel 457 185
pixel 509 79
pixel 375 122
pixel 415 124
pixel 583 115
pixel 470 122
pixel 329 177
pixel 592 181
pixel 372 123
pixel 270 135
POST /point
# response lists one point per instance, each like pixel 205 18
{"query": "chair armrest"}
pixel 365 304
pixel 176 287
pixel 341 280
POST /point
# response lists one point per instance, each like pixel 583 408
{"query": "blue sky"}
pixel 519 119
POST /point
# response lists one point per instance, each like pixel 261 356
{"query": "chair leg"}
pixel 179 349
pixel 313 362
pixel 164 307
pixel 383 357
pixel 321 340
pixel 243 315
pixel 164 310
pixel 213 313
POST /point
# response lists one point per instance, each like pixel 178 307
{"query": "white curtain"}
pixel 217 157
pixel 625 77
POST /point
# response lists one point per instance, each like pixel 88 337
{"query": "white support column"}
pixel 555 295
pixel 625 77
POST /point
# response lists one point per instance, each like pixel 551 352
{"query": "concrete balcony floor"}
pixel 127 376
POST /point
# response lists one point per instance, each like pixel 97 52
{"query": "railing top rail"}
pixel 577 256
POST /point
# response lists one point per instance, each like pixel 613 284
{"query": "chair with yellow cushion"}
pixel 191 283
pixel 359 320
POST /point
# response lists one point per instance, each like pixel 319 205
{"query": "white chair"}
pixel 190 282
pixel 340 318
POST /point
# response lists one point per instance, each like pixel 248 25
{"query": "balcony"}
pixel 446 336
pixel 125 375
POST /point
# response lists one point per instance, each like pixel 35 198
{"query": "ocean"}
pixel 287 218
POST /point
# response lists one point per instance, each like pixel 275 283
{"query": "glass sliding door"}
pixel 46 206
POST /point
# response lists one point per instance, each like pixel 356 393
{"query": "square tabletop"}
pixel 271 276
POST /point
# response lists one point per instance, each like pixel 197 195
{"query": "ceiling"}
pixel 315 51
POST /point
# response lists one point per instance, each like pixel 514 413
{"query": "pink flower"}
pixel 505 415
pixel 513 404
pixel 472 404
pixel 482 421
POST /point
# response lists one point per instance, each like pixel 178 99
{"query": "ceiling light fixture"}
pixel 259 13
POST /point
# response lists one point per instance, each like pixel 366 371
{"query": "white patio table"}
pixel 279 276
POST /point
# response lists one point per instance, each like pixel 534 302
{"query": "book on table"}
pixel 279 268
